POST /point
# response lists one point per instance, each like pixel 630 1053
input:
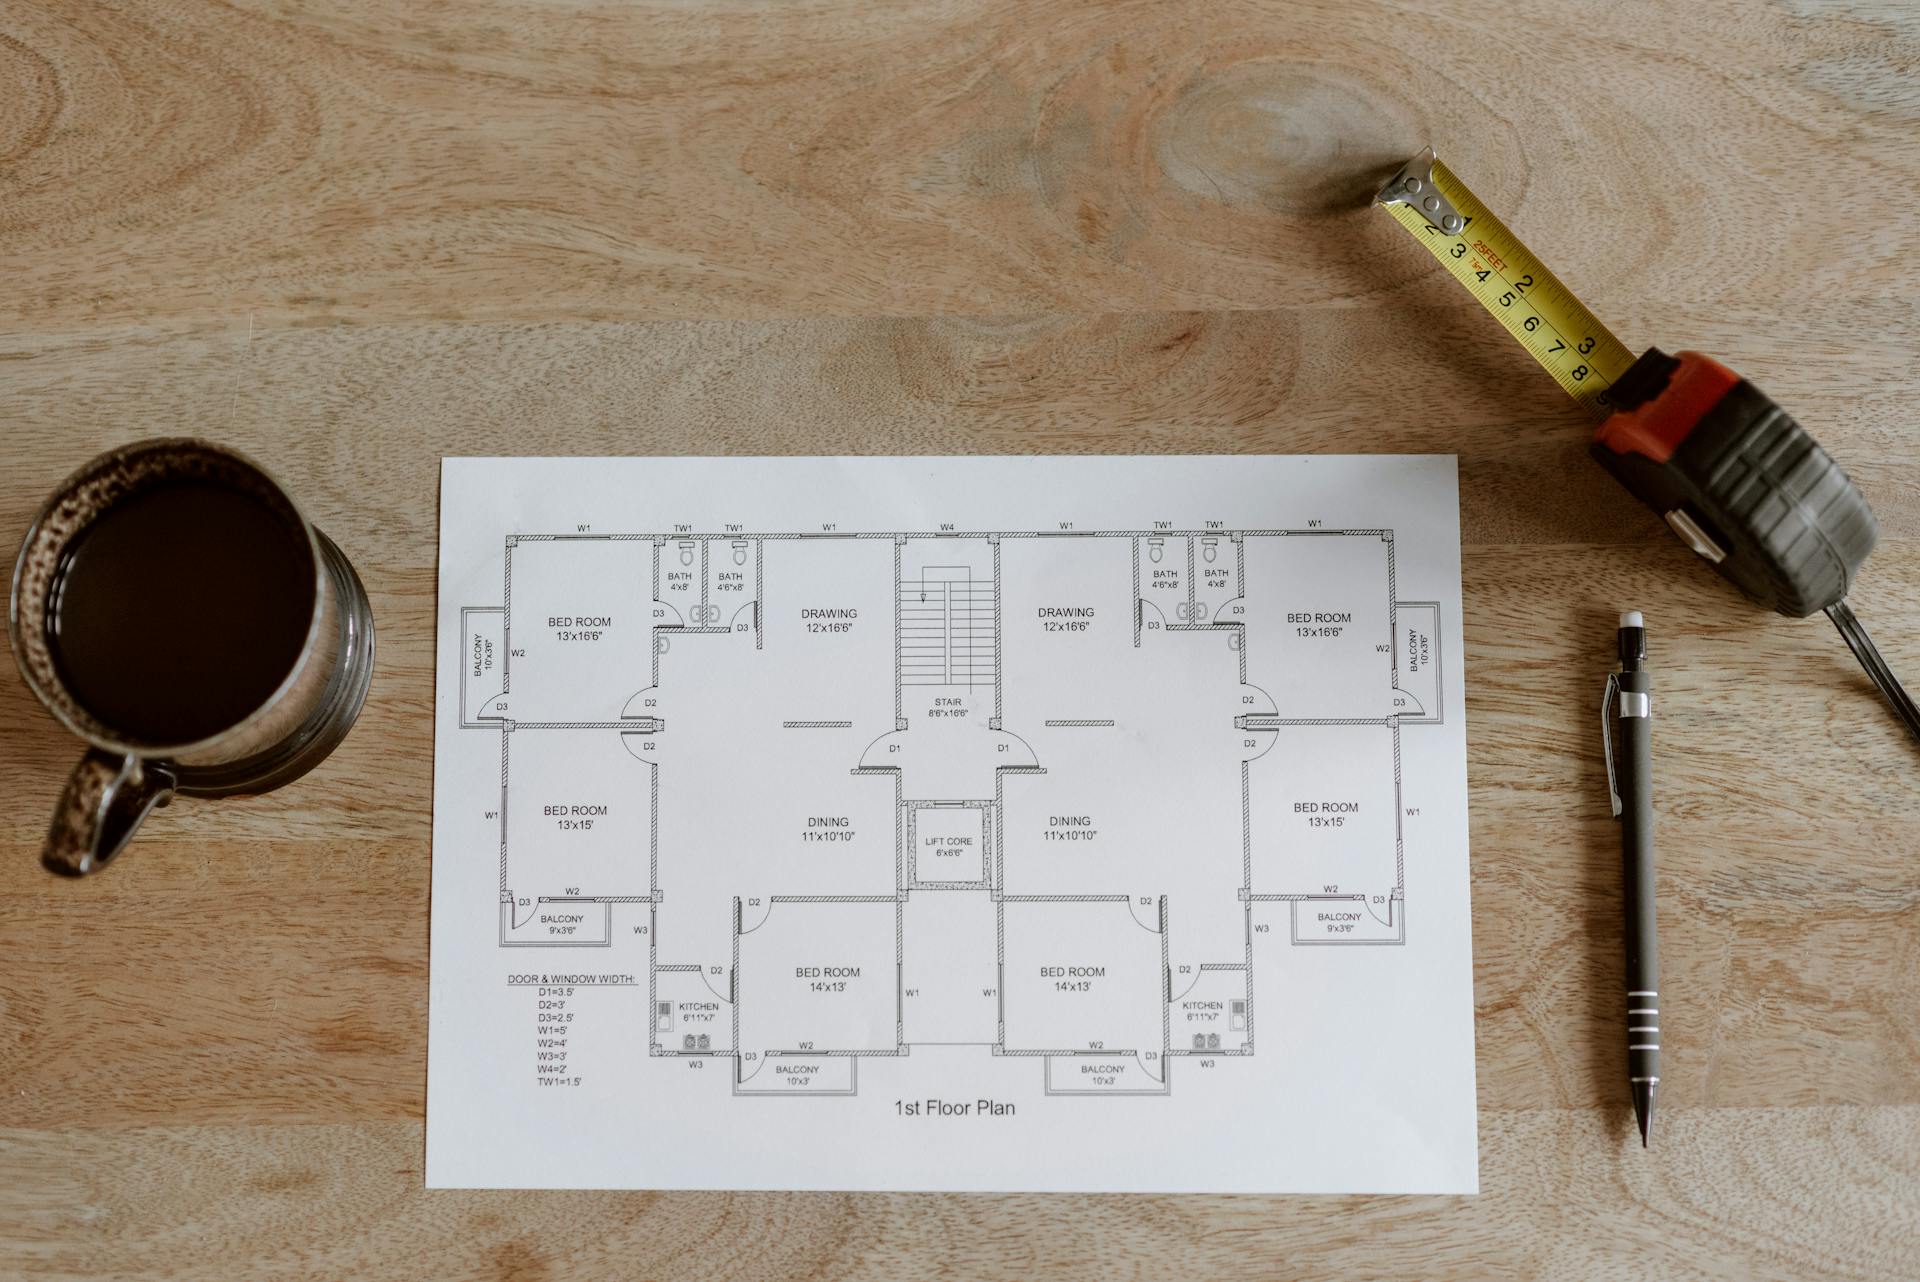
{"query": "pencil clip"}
pixel 1606 738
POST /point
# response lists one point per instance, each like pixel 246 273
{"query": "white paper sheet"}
pixel 1051 824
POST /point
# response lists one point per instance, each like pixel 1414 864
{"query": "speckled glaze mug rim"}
pixel 34 657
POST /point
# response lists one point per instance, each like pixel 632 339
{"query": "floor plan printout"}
pixel 931 823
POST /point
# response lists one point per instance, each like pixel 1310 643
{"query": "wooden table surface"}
pixel 352 236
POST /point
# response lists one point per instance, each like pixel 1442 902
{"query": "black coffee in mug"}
pixel 180 610
pixel 173 607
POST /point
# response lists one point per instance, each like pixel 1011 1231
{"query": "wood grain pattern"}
pixel 353 237
pixel 232 1198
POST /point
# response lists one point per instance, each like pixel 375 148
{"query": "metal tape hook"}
pixel 1414 186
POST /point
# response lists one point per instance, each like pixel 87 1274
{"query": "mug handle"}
pixel 106 797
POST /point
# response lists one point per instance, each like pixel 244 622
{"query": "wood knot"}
pixel 1281 137
pixel 1222 169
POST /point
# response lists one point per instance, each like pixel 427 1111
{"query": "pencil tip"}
pixel 1643 1109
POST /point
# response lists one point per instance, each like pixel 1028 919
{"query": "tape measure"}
pixel 1515 287
pixel 1734 476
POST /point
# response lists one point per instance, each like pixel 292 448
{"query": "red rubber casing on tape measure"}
pixel 1737 479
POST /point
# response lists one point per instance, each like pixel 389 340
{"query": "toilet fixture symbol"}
pixel 739 554
pixel 686 554
pixel 1209 549
pixel 1156 548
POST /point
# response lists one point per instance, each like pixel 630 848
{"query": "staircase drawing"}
pixel 947 620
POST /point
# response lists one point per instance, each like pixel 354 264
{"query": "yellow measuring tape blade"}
pixel 1515 287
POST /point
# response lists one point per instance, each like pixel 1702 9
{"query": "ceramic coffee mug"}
pixel 173 608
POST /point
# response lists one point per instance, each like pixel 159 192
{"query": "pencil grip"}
pixel 1738 479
